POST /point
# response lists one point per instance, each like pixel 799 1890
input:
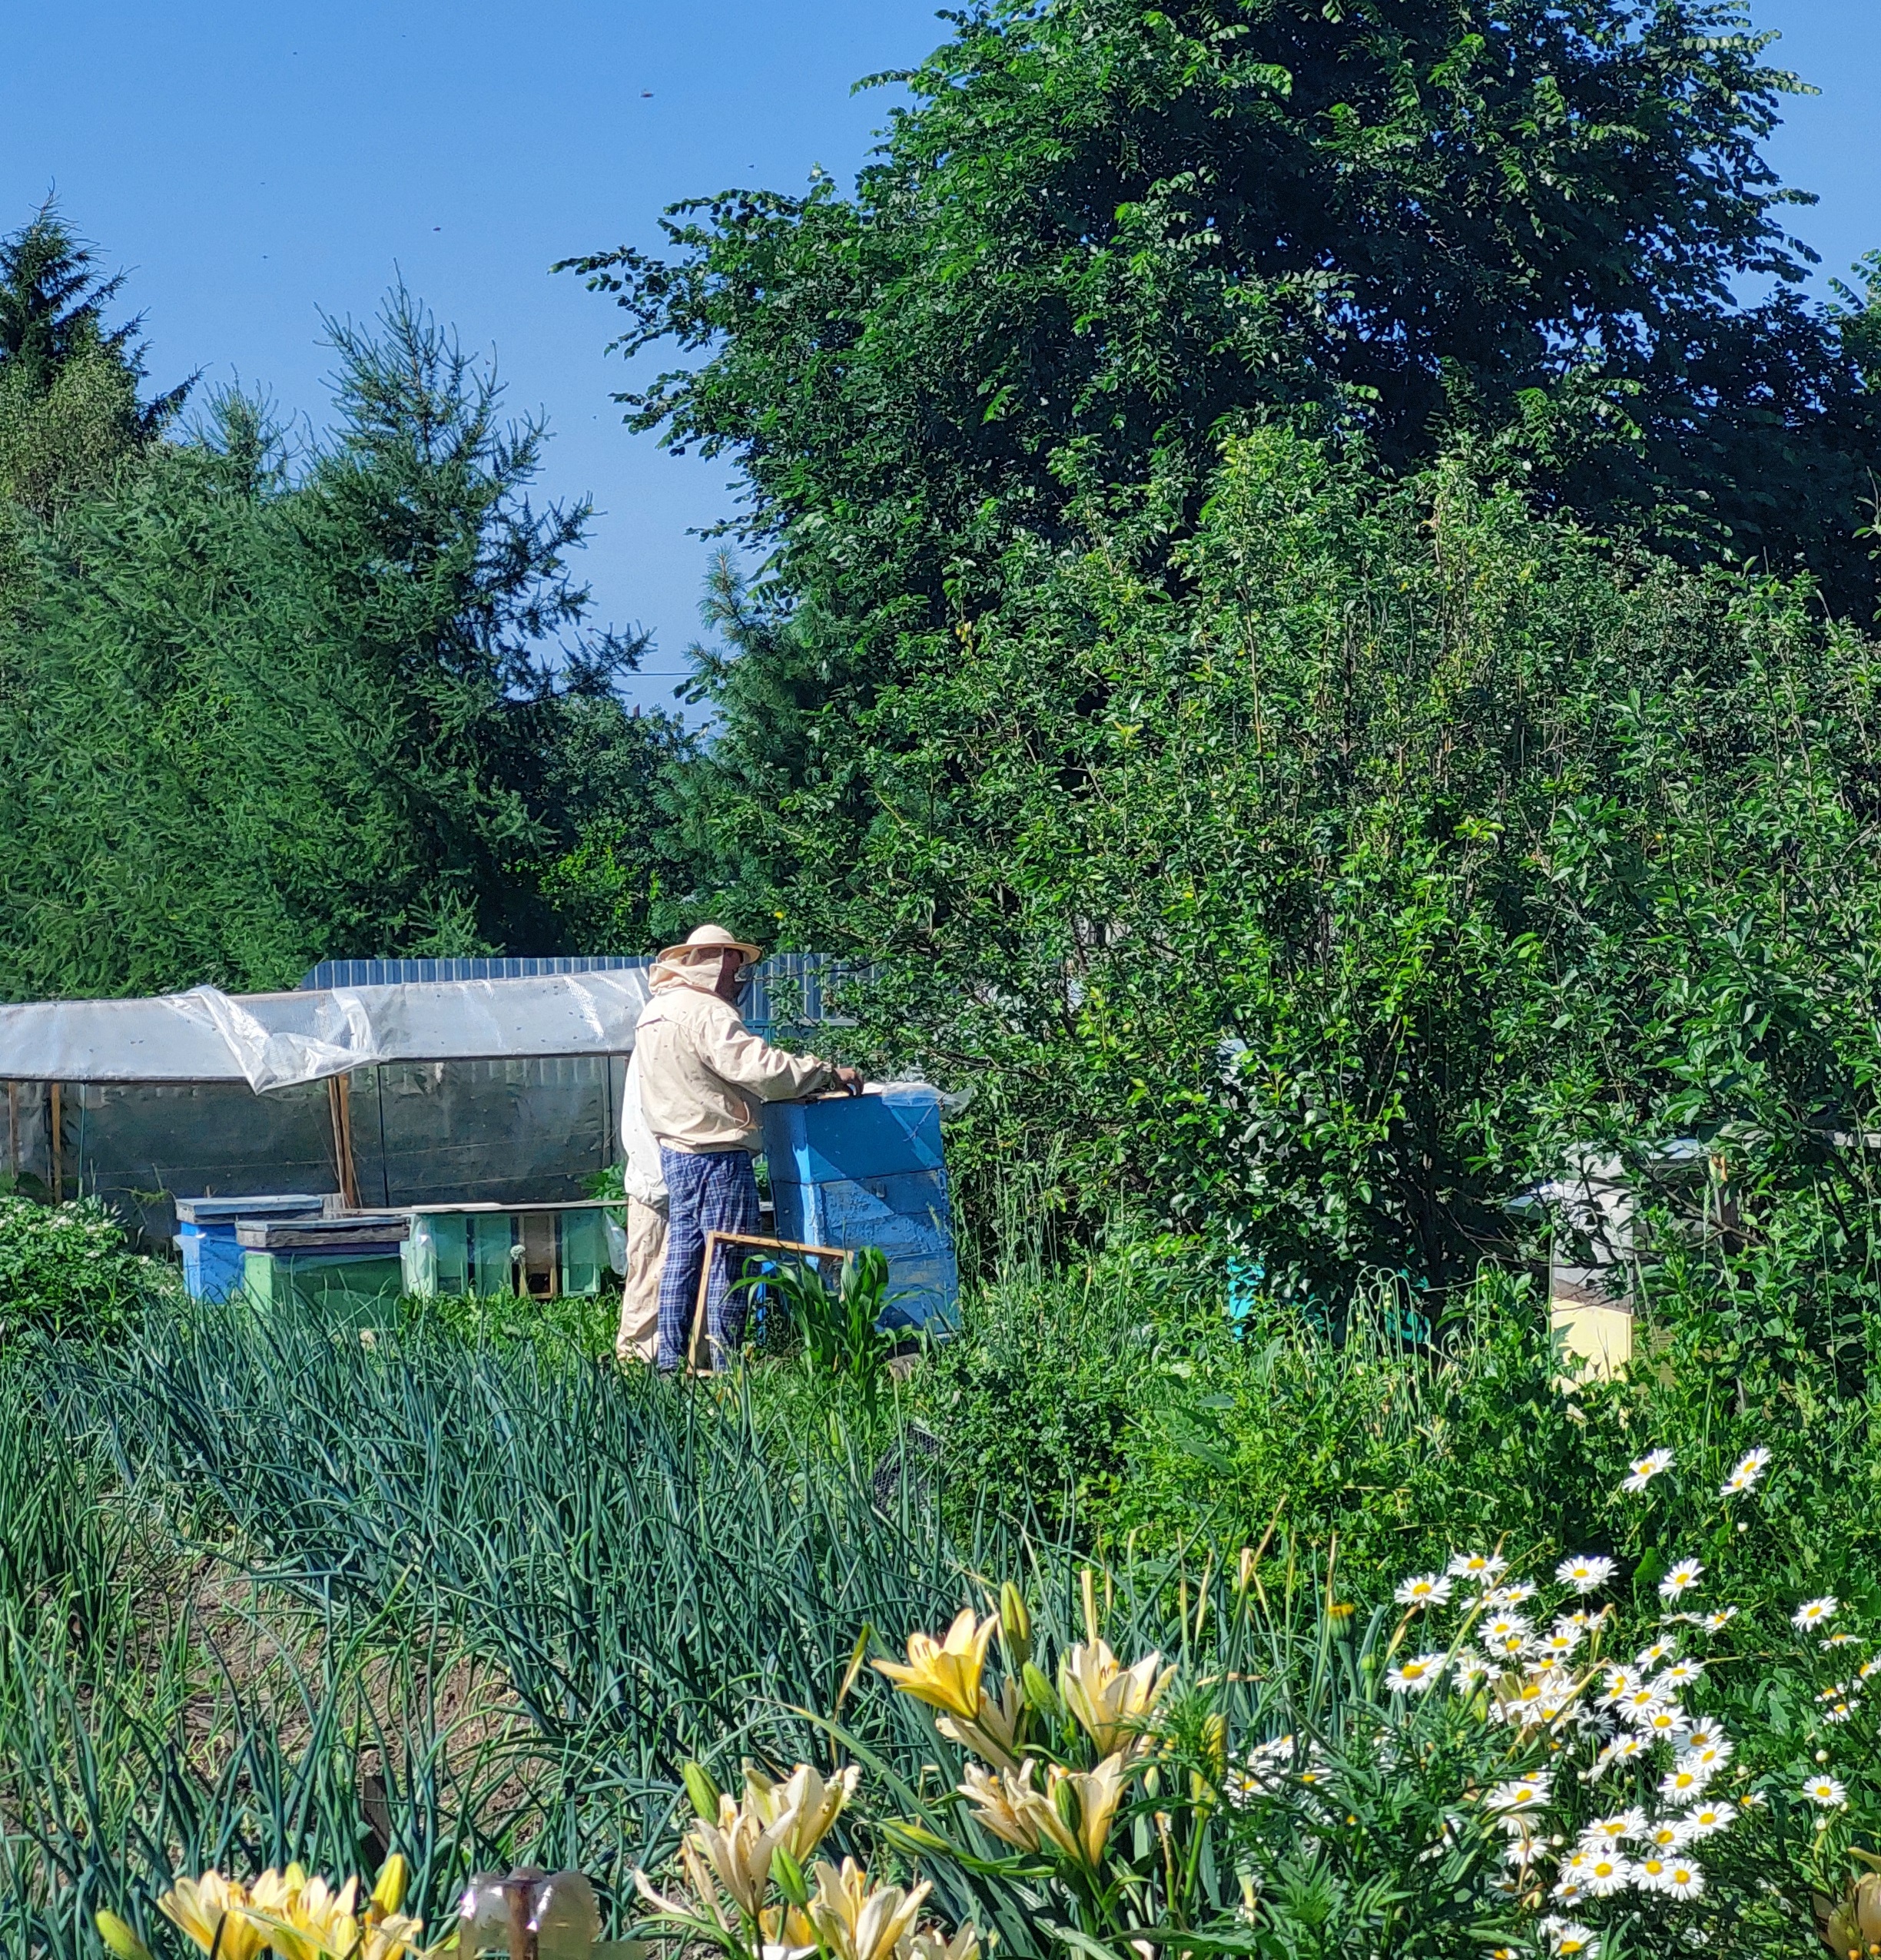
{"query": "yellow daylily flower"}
pixel 739 1849
pixel 1113 1703
pixel 698 1879
pixel 1003 1802
pixel 994 1733
pixel 388 1894
pixel 857 1922
pixel 930 1943
pixel 785 1933
pixel 811 1804
pixel 1094 1796
pixel 198 1908
pixel 946 1674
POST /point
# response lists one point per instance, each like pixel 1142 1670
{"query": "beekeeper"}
pixel 638 1337
pixel 702 1074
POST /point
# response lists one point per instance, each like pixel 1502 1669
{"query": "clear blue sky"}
pixel 253 165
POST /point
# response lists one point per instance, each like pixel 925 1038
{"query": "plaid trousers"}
pixel 707 1190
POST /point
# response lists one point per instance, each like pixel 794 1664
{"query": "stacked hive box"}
pixel 867 1170
pixel 347 1266
pixel 212 1260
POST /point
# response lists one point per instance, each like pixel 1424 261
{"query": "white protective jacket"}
pixel 642 1176
pixel 703 1072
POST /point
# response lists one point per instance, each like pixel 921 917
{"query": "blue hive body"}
pixel 867 1170
pixel 212 1261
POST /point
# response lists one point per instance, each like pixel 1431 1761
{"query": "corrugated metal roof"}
pixel 809 972
pixel 398 972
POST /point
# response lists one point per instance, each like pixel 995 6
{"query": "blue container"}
pixel 867 1170
pixel 212 1261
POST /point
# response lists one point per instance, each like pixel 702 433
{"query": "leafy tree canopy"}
pixel 1102 230
pixel 1328 869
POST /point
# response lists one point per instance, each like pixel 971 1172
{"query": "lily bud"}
pixel 702 1790
pixel 1215 1742
pixel 906 1835
pixel 1038 1690
pixel 389 1894
pixel 790 1877
pixel 120 1938
pixel 1015 1623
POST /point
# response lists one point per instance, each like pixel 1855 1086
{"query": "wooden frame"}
pixel 715 1239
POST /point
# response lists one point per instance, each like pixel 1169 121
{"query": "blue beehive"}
pixel 212 1261
pixel 867 1170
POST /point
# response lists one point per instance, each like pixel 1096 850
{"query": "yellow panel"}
pixel 1600 1337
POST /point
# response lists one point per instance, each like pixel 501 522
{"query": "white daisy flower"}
pixel 1840 1711
pixel 1618 1824
pixel 1427 1588
pixel 1750 1468
pixel 1622 1749
pixel 1507 1647
pixel 1621 1682
pixel 1468 1670
pixel 1682 1781
pixel 1682 1880
pixel 1705 1820
pixel 1571 1940
pixel 1708 1734
pixel 1652 1867
pixel 1574 1863
pixel 1649 1657
pixel 1666 1723
pixel 1840 1640
pixel 1667 1834
pixel 1680 1579
pixel 1570 1891
pixel 1869 1668
pixel 1721 1617
pixel 1558 1642
pixel 1584 1572
pixel 1484 1567
pixel 1826 1791
pixel 1417 1676
pixel 1520 1793
pixel 1523 1850
pixel 1504 1626
pixel 1812 1613
pixel 1508 1597
pixel 1644 1469
pixel 1681 1674
pixel 1706 1758
pixel 1607 1873
pixel 1637 1702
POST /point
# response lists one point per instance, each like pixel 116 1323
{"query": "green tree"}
pixel 1323 871
pixel 70 411
pixel 1100 236
pixel 270 708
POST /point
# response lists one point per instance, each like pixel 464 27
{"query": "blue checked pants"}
pixel 707 1190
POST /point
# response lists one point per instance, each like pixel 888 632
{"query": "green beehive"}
pixel 541 1252
pixel 346 1269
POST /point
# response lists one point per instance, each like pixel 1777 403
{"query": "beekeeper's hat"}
pixel 711 938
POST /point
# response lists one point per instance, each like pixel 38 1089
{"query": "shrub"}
pixel 64 1269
